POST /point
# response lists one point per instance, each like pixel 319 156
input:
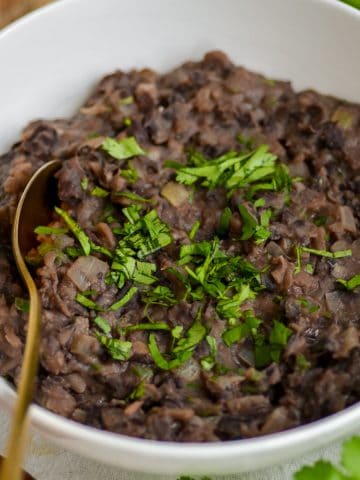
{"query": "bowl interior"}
pixel 53 57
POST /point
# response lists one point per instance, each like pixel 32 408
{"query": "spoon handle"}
pixel 11 468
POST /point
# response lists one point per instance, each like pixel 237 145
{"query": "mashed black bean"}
pixel 287 351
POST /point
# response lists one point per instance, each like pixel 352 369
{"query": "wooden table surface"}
pixel 12 9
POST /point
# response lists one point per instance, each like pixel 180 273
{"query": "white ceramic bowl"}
pixel 50 60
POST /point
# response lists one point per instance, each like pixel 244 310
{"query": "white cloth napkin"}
pixel 46 462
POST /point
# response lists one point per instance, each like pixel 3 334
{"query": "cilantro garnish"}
pixel 147 326
pixel 22 304
pixel 351 283
pixel 123 300
pixel 248 327
pixel 183 349
pixel 44 230
pixel 232 170
pixel 160 295
pixel 126 100
pixel 230 280
pixel 133 196
pixel 130 174
pixel 350 463
pixel 87 302
pixel 76 230
pixel 84 183
pixel 252 228
pixel 99 192
pixel 209 361
pixel 116 348
pixel 269 349
pixel 224 222
pixel 325 253
pixel 102 324
pixel 194 230
pixel 138 391
pixel 123 148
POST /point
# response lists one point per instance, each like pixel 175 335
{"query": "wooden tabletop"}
pixel 12 9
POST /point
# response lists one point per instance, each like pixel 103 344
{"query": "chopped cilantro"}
pixel 229 307
pixel 73 252
pixel 138 392
pixel 102 324
pixel 99 192
pixel 183 349
pixel 126 100
pixel 309 268
pixel 257 169
pixel 160 295
pixel 260 202
pixel 133 196
pixel 209 361
pixel 249 326
pixel 84 183
pixel 302 363
pixel 127 121
pixel 122 149
pixel 325 253
pixel 22 304
pixel 351 283
pixel 194 230
pixel 320 220
pixel 123 300
pixel 298 251
pixel 130 174
pixel 269 350
pixel 116 348
pixel 87 302
pixel 76 230
pixel 224 222
pixel 147 326
pixel 44 230
pixel 252 228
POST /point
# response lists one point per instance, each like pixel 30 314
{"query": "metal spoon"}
pixel 34 208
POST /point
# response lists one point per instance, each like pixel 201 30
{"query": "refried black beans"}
pixel 200 277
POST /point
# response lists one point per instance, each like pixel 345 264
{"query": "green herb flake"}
pixel 138 392
pixel 209 362
pixel 44 230
pixel 126 100
pixel 116 348
pixel 194 230
pixel 102 324
pixel 122 149
pixel 160 295
pixel 22 304
pixel 224 222
pixel 130 174
pixel 124 300
pixel 99 192
pixel 325 253
pixel 87 302
pixel 84 183
pixel 248 327
pixel 320 220
pixel 76 230
pixel 133 196
pixel 147 326
pixel 278 338
pixel 252 228
pixel 350 284
pixel 309 268
pixel 302 363
pixel 127 122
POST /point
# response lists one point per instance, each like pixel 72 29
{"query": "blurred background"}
pixel 12 9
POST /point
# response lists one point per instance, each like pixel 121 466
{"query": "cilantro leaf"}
pixel 130 174
pixel 123 300
pixel 99 192
pixel 325 253
pixel 160 295
pixel 194 230
pixel 229 307
pixel 22 304
pixel 116 348
pixel 209 361
pixel 232 170
pixel 350 458
pixel 133 196
pixel 224 222
pixel 252 228
pixel 123 148
pixel 102 324
pixel 76 230
pixel 87 302
pixel 46 230
pixel 351 283
pixel 248 327
pixel 321 470
pixel 147 326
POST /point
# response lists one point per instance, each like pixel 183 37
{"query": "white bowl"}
pixel 49 61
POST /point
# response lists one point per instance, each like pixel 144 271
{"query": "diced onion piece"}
pixel 175 193
pixel 85 271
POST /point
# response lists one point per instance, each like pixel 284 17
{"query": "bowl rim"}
pixel 43 420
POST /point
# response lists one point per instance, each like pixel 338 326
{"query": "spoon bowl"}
pixel 34 208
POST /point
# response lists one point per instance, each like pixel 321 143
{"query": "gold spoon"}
pixel 34 208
